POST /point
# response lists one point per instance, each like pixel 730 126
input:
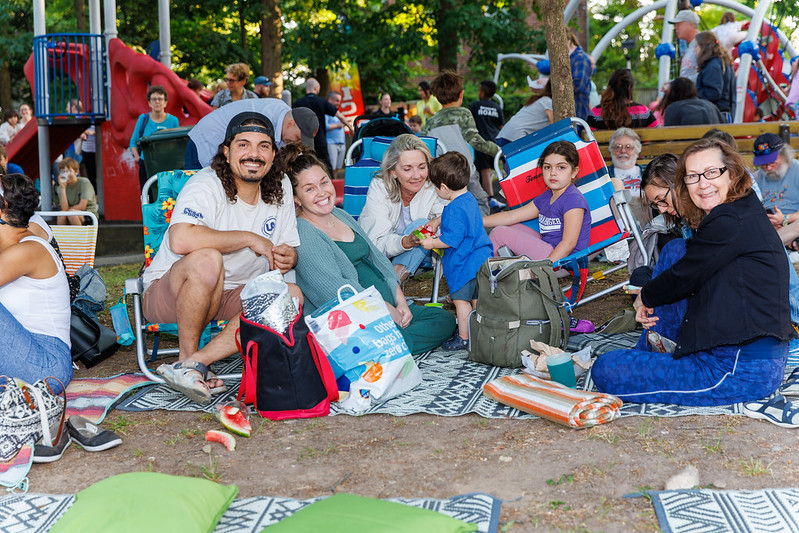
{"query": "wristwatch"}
pixel 785 221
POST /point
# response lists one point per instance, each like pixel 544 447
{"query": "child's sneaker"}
pixel 580 326
pixel 455 343
pixel 496 204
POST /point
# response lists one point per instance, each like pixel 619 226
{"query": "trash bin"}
pixel 164 149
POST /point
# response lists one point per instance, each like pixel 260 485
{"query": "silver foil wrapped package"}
pixel 266 300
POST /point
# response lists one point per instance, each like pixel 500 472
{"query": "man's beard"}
pixel 253 176
pixel 779 173
pixel 623 163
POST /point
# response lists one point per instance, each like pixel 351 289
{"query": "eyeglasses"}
pixel 662 201
pixel 232 80
pixel 157 99
pixel 709 174
pixel 620 147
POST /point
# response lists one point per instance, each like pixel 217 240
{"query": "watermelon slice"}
pixel 225 439
pixel 235 419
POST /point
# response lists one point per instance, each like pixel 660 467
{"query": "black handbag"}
pixel 285 375
pixel 91 341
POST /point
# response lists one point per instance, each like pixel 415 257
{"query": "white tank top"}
pixel 40 305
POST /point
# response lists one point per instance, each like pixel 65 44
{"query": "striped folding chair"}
pixel 611 218
pixel 77 244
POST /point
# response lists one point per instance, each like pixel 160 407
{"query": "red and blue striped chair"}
pixel 611 218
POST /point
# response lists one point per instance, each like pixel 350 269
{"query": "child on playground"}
pixel 563 215
pixel 463 238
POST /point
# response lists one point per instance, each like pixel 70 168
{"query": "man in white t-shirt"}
pixel 232 221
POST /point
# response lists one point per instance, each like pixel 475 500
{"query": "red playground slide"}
pixel 131 74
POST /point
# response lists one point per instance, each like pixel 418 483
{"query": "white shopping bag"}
pixel 365 348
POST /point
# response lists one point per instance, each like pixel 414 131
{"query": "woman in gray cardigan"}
pixel 335 251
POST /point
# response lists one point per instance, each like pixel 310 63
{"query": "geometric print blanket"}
pixel 451 386
pixel 37 513
pixel 766 511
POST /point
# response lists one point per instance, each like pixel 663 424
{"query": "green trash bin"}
pixel 164 149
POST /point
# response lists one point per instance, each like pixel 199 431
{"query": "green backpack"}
pixel 517 300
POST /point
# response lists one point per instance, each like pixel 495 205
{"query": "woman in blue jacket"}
pixel 716 79
pixel 722 296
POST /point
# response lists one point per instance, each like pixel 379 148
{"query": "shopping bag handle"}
pixel 345 286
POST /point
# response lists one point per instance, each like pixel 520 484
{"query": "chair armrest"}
pixel 134 286
pixel 622 197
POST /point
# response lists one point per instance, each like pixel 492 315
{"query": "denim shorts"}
pixel 468 292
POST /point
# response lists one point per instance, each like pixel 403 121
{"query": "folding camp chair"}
pixel 77 244
pixel 155 217
pixel 611 218
pixel 358 175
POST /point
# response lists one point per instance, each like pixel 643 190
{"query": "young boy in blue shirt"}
pixel 463 238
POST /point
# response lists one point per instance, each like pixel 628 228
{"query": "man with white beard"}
pixel 778 178
pixel 625 145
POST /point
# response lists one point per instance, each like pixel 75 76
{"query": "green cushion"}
pixel 346 513
pixel 147 501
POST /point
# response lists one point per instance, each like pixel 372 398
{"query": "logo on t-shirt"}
pixel 269 226
pixel 189 212
pixel 487 112
pixel 546 224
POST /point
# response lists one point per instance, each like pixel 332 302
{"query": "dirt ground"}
pixel 551 478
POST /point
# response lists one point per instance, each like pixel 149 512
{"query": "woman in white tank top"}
pixel 34 293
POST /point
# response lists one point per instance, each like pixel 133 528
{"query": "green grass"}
pixel 114 277
pixel 565 478
pixel 120 425
pixel 755 467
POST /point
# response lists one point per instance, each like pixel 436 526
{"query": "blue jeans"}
pixel 32 356
pixel 415 257
pixel 719 376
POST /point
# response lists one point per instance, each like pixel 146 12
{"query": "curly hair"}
pixel 271 184
pixel 402 143
pixel 615 98
pixel 740 180
pixel 240 71
pixel 295 158
pixel 19 199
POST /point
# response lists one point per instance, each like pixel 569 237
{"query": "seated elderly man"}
pixel 778 178
pixel 625 145
pixel 232 221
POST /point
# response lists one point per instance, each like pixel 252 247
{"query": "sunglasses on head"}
pixel 764 149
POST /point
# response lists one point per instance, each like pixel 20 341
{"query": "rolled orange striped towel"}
pixel 553 401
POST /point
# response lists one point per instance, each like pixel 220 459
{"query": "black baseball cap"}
pixel 235 127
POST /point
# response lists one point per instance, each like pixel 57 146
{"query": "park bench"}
pixel 674 139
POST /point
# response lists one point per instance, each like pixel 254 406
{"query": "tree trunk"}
pixel 5 85
pixel 323 77
pixel 243 30
pixel 447 36
pixel 272 45
pixel 560 76
pixel 80 16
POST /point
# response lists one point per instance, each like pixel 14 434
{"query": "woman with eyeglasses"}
pixel 721 296
pixel 148 123
pixel 238 74
pixel 657 192
pixel 34 292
